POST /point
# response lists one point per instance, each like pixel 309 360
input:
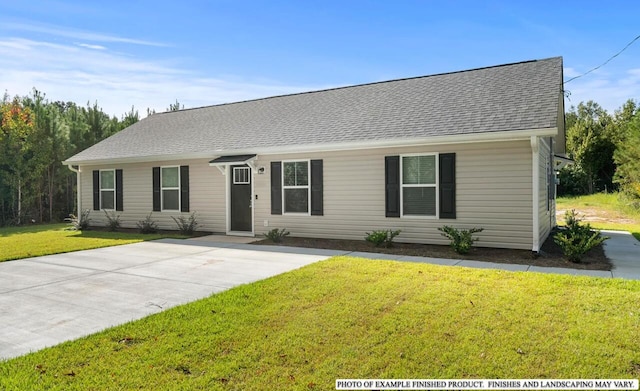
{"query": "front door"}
pixel 241 219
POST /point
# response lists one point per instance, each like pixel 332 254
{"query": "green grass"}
pixel 354 318
pixel 616 214
pixel 31 241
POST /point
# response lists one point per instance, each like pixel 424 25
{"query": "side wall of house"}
pixel 493 187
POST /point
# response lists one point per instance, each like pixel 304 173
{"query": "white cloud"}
pixel 610 90
pixel 81 74
pixel 76 34
pixel 570 72
pixel 89 46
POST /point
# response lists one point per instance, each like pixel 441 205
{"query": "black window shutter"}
pixel 96 190
pixel 184 188
pixel 276 188
pixel 119 193
pixel 316 188
pixel 156 189
pixel 447 185
pixel 392 186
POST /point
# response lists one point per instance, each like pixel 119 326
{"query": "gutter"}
pixel 535 192
pixel 76 169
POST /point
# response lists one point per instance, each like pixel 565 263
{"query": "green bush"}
pixel 147 226
pixel 113 220
pixel 577 239
pixel 79 223
pixel 186 226
pixel 378 238
pixel 276 235
pixel 461 239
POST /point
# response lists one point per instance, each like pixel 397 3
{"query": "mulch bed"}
pixel 550 256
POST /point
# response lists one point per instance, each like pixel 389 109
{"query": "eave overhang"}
pixel 509 135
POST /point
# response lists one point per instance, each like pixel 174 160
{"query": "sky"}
pixel 148 54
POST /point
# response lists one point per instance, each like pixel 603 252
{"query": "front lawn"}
pixel 36 240
pixel 354 318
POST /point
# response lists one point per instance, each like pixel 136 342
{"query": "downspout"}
pixel 535 177
pixel 78 187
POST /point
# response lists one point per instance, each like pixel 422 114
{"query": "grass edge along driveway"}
pixel 37 240
pixel 354 318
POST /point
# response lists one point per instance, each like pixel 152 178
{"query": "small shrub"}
pixel 79 223
pixel 113 220
pixel 186 226
pixel 147 226
pixel 577 239
pixel 378 238
pixel 461 239
pixel 276 235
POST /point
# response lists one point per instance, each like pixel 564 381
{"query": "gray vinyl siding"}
pixel 545 206
pixel 207 195
pixel 493 186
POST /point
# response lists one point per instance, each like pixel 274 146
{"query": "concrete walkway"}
pixel 624 252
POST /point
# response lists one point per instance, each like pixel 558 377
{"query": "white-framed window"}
pixel 170 188
pixel 108 189
pixel 296 194
pixel 419 185
pixel 241 176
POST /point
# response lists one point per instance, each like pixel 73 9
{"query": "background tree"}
pixel 16 150
pixel 627 157
pixel 591 142
pixel 175 106
pixel 36 135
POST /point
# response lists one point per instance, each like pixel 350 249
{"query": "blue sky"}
pixel 150 53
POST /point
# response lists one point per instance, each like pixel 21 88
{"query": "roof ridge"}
pixel 359 85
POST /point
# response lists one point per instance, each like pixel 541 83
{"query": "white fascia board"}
pixel 509 135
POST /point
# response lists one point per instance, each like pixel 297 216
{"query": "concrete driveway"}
pixel 51 299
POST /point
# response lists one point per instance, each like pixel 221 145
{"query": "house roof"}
pixel 512 97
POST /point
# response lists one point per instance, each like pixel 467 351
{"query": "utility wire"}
pixel 606 62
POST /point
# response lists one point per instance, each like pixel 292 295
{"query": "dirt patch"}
pixel 591 215
pixel 550 255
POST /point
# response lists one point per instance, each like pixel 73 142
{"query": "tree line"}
pixel 36 135
pixel 606 151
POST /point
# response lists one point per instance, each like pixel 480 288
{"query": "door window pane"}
pixel 241 176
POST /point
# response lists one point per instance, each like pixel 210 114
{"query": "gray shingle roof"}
pixel 518 96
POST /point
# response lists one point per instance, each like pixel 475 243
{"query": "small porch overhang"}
pixel 223 161
pixel 561 162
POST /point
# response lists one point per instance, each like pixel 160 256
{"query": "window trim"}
pixel 308 187
pixel 436 186
pixel 113 190
pixel 162 189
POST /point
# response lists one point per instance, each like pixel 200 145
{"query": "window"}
pixel 107 189
pixel 170 188
pixel 295 186
pixel 241 176
pixel 419 185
